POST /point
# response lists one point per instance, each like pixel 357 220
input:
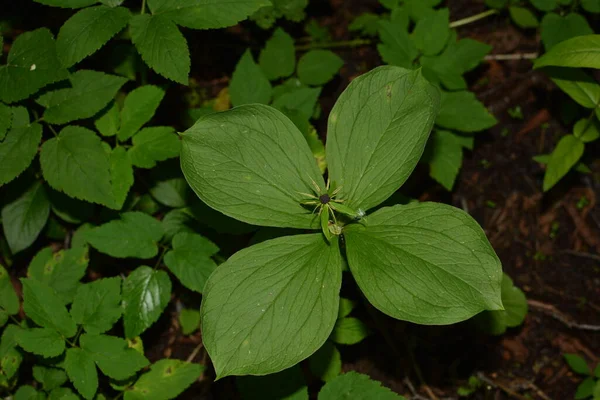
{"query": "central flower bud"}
pixel 324 198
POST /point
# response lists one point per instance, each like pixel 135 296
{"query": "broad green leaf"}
pixel 278 58
pixel 431 33
pixel 556 29
pixel 367 24
pixel 165 380
pixel 154 144
pixel 585 388
pixel 18 150
pixel 91 91
pixel 377 132
pixel 591 6
pixel 42 341
pixel 112 3
pixel 113 356
pixel 545 158
pixel 444 154
pixel 461 111
pixel 27 392
pixel 110 120
pixel 567 153
pixel 121 175
pixel 32 64
pixel 285 385
pixel 61 271
pixel 139 107
pixel 396 48
pixel 356 386
pixel 45 308
pixel 75 163
pixel 135 234
pixel 577 84
pixel 349 331
pixel 587 130
pixel 206 14
pixel 317 67
pixel 87 31
pixel 523 17
pixel 326 363
pixel 67 3
pixel 189 320
pixel 426 263
pixel 9 302
pixel 249 84
pixel 161 46
pixel 251 163
pixel 146 293
pixel 577 364
pixel 302 100
pixel 346 307
pixel 24 218
pixel 190 260
pixel 97 305
pixel 65 393
pixel 545 5
pixel 82 372
pixel 172 192
pixel 6 115
pixel 580 51
pixel 294 275
pixel 50 378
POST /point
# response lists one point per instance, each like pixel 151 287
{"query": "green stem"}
pixel 335 45
pixel 162 254
pixel 473 18
pixel 143 10
pixel 53 131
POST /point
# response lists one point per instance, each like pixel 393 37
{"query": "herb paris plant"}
pixel 274 304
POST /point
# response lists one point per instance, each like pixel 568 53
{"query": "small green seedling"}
pixel 426 263
pixel 589 388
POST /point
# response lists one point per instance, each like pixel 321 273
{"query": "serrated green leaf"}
pixel 45 308
pixel 577 84
pixel 577 364
pixel 372 152
pixel 139 107
pixel 278 58
pixel 326 363
pixel 567 153
pixel 121 175
pixel 18 150
pixel 545 5
pixel 6 115
pixel 42 341
pixel 24 218
pixel 165 380
pixel 97 305
pixel 356 386
pixel 87 31
pixel 150 145
pixel 317 67
pixel 523 17
pixel 294 275
pixel 444 154
pixel 189 320
pixel 112 3
pixel 302 100
pixel 190 260
pixel 431 33
pixel 251 163
pixel 591 6
pixel 65 393
pixel 249 84
pixel 32 64
pixel 91 91
pixel 580 51
pixel 75 163
pixel 349 331
pixel 396 48
pixel 27 392
pixel 67 3
pixel 587 130
pixel 367 24
pixel 110 120
pixel 556 28
pixel 461 111
pixel 113 356
pixel 135 234
pixel 285 385
pixel 61 271
pixel 49 377
pixel 9 302
pixel 143 284
pixel 585 388
pixel 161 46
pixel 82 372
pixel 410 267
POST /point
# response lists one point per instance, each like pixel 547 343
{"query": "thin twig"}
pixel 500 386
pixel 411 387
pixel 334 45
pixel 552 311
pixel 194 353
pixel 472 18
pixel 511 57
pixel 582 254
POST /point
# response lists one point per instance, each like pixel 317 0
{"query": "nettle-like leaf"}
pixel 580 51
pixel 396 48
pixel 556 28
pixel 154 144
pixel 278 58
pixel 318 67
pixel 189 321
pixel 431 33
pixel 356 386
pixel 426 263
pixel 462 111
pixel 18 148
pixel 24 218
pixel 523 17
pixel 259 182
pixel 109 121
pixel 146 293
pixel 49 377
pixel 87 31
pixel 67 3
pixel 444 153
pixel 292 10
pixel 139 107
pixel 97 305
pixel 121 176
pixel 135 234
pixel 377 132
pixel 5 117
pixel 288 384
pixel 9 302
pixel 297 275
pixel 113 355
pixel 249 84
pixel 165 380
pixel 190 260
pixel 32 64
pixel 81 370
pixel 42 341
